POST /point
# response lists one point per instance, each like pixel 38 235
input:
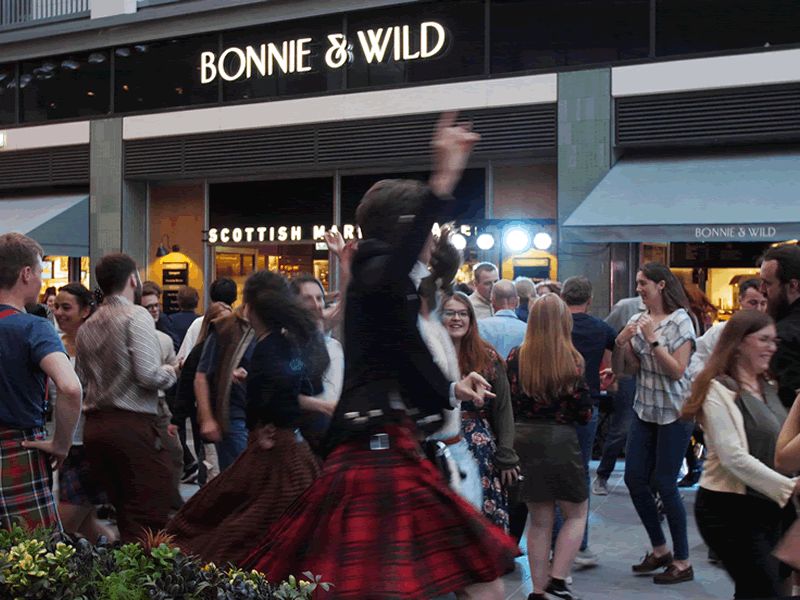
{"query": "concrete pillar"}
pixel 584 158
pixel 117 209
pixel 109 8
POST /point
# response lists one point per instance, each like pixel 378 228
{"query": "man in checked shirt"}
pixel 119 361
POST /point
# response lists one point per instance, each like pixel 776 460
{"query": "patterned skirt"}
pixel 221 523
pixel 383 524
pixel 481 441
pixel 75 484
pixel 26 481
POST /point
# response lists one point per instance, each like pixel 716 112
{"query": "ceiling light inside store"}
pixel 25 80
pixel 517 239
pixel 90 93
pixel 485 241
pixel 140 48
pixel 72 65
pixel 123 52
pixel 542 241
pixel 95 58
pixel 459 241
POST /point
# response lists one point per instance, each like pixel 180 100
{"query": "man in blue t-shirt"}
pixel 30 352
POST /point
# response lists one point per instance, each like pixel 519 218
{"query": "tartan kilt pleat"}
pixel 383 524
pixel 26 482
pixel 222 522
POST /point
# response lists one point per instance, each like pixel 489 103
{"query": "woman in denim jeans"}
pixel 656 346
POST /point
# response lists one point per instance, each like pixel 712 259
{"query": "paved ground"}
pixel 617 536
pixel 619 539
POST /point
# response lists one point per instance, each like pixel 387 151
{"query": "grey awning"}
pixel 744 197
pixel 59 223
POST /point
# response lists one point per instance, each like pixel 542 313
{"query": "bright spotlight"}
pixel 517 239
pixel 485 241
pixel 459 241
pixel 542 241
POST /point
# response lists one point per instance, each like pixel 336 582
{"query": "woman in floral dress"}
pixel 489 430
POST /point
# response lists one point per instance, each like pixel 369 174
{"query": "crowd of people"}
pixel 409 429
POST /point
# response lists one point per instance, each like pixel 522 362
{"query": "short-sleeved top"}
pixel 592 337
pixel 24 341
pixel 209 360
pixel 659 398
pixel 575 407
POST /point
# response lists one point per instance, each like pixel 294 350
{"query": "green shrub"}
pixel 40 566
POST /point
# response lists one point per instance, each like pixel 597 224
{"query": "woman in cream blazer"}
pixel 742 498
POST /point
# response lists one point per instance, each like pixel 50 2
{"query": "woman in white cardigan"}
pixel 742 498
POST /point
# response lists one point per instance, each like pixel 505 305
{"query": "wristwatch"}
pixel 655 344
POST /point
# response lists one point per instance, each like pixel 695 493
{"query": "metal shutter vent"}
pixel 751 114
pixel 47 166
pixel 515 131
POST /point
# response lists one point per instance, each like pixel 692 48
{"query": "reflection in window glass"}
pixel 470 192
pixel 685 27
pixel 544 34
pixel 462 54
pixel 319 78
pixel 67 86
pixel 303 202
pixel 162 74
pixel 8 89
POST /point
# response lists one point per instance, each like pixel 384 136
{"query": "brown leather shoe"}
pixel 672 574
pixel 651 563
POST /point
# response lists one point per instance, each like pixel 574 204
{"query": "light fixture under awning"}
pixel 748 197
pixel 59 223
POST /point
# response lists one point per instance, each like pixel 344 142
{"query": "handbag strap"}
pixel 8 312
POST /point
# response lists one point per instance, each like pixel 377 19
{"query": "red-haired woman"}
pixel 549 396
pixel 489 431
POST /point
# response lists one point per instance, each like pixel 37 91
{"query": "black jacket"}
pixel 785 365
pixel 385 356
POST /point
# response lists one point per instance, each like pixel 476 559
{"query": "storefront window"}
pixel 66 86
pixel 8 90
pixel 272 225
pixel 461 53
pixel 314 37
pixel 692 26
pixel 470 193
pixel 162 74
pixel 545 34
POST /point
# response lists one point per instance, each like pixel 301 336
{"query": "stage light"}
pixel 517 239
pixel 485 241
pixel 542 241
pixel 459 241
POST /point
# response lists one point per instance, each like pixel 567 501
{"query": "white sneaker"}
pixel 600 486
pixel 585 559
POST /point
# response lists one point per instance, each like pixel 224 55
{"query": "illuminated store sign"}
pixel 293 233
pixel 398 43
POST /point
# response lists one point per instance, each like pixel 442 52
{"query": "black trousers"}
pixel 743 530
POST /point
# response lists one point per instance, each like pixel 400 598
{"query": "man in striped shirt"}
pixel 119 361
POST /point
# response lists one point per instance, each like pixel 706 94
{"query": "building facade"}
pixel 210 137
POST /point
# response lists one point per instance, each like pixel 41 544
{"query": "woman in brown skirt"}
pixel 225 518
pixel 549 396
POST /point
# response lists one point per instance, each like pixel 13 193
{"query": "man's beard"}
pixel 778 307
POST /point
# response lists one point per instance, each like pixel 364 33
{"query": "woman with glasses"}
pixel 656 346
pixel 742 498
pixel 489 430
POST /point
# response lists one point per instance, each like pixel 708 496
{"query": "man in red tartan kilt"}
pixel 381 521
pixel 30 352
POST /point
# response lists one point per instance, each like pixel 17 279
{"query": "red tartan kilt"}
pixel 384 524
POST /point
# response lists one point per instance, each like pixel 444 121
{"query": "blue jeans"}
pixel 232 444
pixel 653 458
pixel 620 422
pixel 586 435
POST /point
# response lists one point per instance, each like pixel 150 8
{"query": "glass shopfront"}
pixel 412 43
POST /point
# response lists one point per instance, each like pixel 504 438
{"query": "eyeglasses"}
pixel 461 314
